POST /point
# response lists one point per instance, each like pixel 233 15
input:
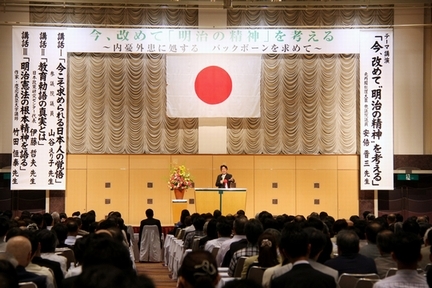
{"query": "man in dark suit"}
pixel 295 247
pixel 149 221
pixel 349 260
pixel 224 180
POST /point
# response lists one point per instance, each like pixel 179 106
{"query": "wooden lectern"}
pixel 227 200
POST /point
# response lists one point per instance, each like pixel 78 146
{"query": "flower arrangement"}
pixel 180 178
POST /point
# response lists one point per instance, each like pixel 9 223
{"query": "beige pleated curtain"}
pixel 117 102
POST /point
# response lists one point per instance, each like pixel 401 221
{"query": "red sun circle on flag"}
pixel 213 85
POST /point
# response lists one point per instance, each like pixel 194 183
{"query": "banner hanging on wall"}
pixel 40 85
pixel 39 109
pixel 376 110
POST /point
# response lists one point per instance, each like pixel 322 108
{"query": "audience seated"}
pixel 267 255
pixel 348 259
pixel 150 220
pixel 20 248
pixel 198 270
pixel 198 223
pixel 385 261
pixel 253 229
pixel 223 228
pixel 8 274
pixel 72 231
pixel 48 242
pixel 295 247
pixel 406 253
pixel 371 250
pixel 4 227
pixel 239 234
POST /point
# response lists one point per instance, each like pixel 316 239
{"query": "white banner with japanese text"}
pixel 39 109
pixel 40 85
pixel 376 109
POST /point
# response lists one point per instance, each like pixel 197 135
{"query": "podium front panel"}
pixel 229 201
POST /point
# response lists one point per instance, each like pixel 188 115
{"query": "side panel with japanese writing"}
pixel 39 109
pixel 376 108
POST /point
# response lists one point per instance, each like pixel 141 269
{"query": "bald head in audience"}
pixel 20 248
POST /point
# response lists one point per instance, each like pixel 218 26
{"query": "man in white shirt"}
pixel 48 242
pixel 239 234
pixel 223 228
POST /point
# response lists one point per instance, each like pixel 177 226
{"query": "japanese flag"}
pixel 213 85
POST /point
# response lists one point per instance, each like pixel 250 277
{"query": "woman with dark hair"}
pixel 267 257
pixel 199 269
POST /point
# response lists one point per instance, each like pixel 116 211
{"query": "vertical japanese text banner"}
pixel 39 109
pixel 376 109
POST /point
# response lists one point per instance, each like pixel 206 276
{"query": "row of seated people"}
pixel 59 255
pixel 263 243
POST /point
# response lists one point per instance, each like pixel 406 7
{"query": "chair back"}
pixel 181 234
pixel 69 255
pixel 215 251
pixel 239 267
pixel 427 267
pixel 365 283
pixel 195 243
pixel 150 246
pixel 391 272
pixel 347 280
pixel 256 273
pixel 27 285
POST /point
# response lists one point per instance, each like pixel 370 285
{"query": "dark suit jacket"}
pixel 219 178
pixel 149 221
pixel 303 276
pixel 352 263
pixel 25 276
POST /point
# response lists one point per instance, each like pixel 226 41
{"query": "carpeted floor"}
pixel 158 273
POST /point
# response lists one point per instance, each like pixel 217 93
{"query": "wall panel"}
pixel 99 194
pixel 295 176
pixel 311 199
pixel 348 193
pixel 76 191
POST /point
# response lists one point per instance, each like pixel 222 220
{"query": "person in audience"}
pixel 72 231
pixel 79 249
pixel 425 250
pixel 295 247
pixel 181 224
pixel 198 270
pixel 337 226
pixel 61 232
pixel 53 265
pixel 198 223
pixel 210 232
pixel 109 276
pixel 102 249
pixel 267 255
pixel 4 227
pixel 253 229
pixel 223 228
pixel 371 250
pixel 239 234
pixel 20 248
pixel 385 261
pixel 56 218
pixel 48 219
pixel 317 242
pixel 48 242
pixel 406 253
pixel 189 224
pixel 150 220
pixel 216 214
pixel 8 274
pixel 391 220
pixel 348 259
